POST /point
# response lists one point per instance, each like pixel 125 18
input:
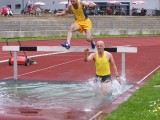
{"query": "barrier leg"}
pixel 15 66
pixel 123 76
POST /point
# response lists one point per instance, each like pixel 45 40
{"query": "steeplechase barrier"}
pixel 118 49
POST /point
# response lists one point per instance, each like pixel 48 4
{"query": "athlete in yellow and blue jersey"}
pixel 82 22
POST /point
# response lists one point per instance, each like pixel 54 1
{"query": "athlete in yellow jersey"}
pixel 103 62
pixel 102 65
pixel 82 22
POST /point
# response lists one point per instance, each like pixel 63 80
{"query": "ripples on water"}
pixel 50 95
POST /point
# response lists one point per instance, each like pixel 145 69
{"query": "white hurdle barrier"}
pixel 118 49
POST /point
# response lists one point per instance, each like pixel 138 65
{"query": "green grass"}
pixel 144 104
pixel 64 37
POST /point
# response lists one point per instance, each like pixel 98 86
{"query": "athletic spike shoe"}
pixel 66 45
pixel 93 44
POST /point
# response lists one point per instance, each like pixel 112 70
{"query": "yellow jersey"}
pixel 80 12
pixel 102 65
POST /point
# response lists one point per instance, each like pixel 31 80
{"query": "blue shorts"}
pixel 106 78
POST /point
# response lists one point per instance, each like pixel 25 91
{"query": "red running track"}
pixel 71 67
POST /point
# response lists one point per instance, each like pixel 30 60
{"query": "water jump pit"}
pixel 58 100
pixel 55 100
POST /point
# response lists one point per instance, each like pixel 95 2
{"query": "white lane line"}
pixel 148 75
pixel 95 116
pixel 3 61
pixel 34 56
pixel 46 68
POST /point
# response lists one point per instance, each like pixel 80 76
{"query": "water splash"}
pixel 54 95
pixel 116 88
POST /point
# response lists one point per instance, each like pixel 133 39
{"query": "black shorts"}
pixel 106 78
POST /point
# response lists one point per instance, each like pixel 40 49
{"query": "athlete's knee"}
pixel 89 39
pixel 70 28
pixel 73 28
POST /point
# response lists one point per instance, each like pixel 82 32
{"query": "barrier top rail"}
pixel 121 49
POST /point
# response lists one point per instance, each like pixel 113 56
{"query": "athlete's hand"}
pixel 86 51
pixel 58 14
pixel 118 79
pixel 91 4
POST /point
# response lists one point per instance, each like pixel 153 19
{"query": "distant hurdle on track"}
pixel 118 49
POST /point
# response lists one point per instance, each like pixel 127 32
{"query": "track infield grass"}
pixel 144 104
pixel 75 37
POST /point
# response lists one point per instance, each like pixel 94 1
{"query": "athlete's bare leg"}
pixel 89 37
pixel 74 27
pixel 106 88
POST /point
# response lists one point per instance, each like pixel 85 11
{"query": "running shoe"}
pixel 93 44
pixel 66 45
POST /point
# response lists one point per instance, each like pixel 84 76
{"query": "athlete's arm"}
pixel 88 4
pixel 65 12
pixel 88 57
pixel 114 67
